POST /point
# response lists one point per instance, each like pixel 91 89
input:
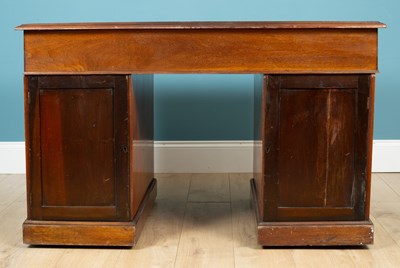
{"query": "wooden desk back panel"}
pixel 201 51
pixel 316 135
pixel 302 144
pixel 90 141
pixel 75 123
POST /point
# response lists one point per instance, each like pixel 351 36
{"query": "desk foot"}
pixel 324 233
pixel 90 233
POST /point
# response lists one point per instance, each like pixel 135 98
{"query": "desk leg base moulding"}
pixel 87 233
pixel 349 233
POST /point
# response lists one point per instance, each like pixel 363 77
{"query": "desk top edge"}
pixel 203 25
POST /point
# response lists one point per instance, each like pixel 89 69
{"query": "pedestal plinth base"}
pixel 324 233
pixel 90 233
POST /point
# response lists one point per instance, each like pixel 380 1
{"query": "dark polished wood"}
pixel 89 149
pixel 91 233
pixel 78 233
pixel 313 157
pixel 89 124
pixel 259 134
pixel 310 233
pixel 78 123
pixel 316 128
pixel 124 51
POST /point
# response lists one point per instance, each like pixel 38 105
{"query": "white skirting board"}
pixel 205 156
pixel 12 157
pixel 386 156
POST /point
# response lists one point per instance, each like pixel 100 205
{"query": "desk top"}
pixel 203 25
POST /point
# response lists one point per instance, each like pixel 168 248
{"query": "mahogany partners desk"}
pixel 89 124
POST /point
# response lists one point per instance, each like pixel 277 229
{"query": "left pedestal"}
pixel 89 152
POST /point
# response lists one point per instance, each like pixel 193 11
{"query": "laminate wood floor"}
pixel 203 220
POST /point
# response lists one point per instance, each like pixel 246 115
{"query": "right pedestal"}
pixel 312 159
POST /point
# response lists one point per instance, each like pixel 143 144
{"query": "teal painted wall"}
pixel 198 107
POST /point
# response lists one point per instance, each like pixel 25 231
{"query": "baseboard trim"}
pixel 386 156
pixel 205 156
pixel 12 157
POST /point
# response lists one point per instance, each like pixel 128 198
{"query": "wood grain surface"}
pixel 283 50
pixel 315 147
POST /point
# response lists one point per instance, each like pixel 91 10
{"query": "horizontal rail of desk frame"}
pixel 229 50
